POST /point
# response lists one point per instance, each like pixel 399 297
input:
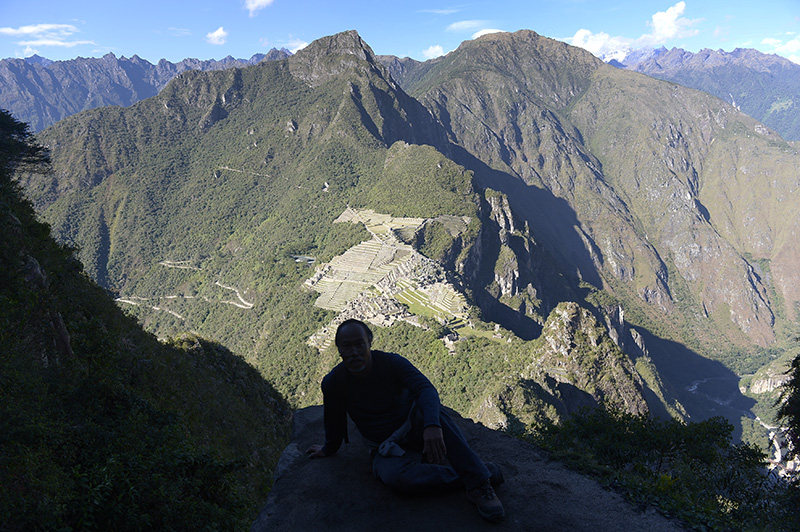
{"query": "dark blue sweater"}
pixel 378 403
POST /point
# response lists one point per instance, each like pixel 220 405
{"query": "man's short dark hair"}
pixel 353 321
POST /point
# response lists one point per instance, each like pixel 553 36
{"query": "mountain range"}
pixel 765 86
pixel 41 92
pixel 102 425
pixel 542 230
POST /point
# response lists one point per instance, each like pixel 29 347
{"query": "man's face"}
pixel 354 348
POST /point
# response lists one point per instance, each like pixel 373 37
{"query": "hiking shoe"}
pixel 489 506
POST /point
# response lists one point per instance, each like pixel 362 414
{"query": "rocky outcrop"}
pixel 511 276
pixel 325 59
pixel 579 352
pixel 768 384
pixel 576 366
pixel 339 492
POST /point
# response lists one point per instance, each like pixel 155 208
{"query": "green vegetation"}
pixel 690 471
pixel 101 426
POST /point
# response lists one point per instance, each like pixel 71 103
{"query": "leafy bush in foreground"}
pixel 690 471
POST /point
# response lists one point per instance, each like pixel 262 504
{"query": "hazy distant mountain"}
pixel 765 86
pixel 586 211
pixel 42 92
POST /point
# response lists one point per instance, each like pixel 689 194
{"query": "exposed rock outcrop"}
pixel 340 493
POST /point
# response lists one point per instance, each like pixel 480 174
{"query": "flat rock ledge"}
pixel 340 493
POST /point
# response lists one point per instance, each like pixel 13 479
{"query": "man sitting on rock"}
pixel 396 408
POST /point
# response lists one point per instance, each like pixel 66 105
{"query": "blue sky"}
pixel 205 29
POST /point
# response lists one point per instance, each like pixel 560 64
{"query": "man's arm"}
pixel 423 392
pixel 427 399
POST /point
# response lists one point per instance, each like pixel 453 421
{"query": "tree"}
pixel 18 150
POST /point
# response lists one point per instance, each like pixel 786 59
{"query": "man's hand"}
pixel 433 444
pixel 315 451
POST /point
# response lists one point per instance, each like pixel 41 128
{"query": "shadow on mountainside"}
pixel 339 492
pixel 554 232
pixel 547 215
pixel 705 387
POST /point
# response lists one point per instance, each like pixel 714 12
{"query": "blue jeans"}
pixel 408 476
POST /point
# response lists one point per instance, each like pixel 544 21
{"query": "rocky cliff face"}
pixel 576 365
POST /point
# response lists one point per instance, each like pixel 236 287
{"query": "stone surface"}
pixel 340 493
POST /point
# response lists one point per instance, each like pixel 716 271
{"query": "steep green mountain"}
pixel 669 200
pixel 765 86
pixel 101 426
pixel 562 212
pixel 660 179
pixel 40 92
pixel 209 207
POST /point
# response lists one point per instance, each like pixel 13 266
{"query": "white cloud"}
pixel 28 51
pixel 790 48
pixel 53 42
pixel 256 5
pixel 433 51
pixel 602 44
pixel 220 36
pixel 452 11
pixel 485 32
pixel 179 32
pixel 41 30
pixel 44 35
pixel 466 25
pixel 294 45
pixel 666 25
